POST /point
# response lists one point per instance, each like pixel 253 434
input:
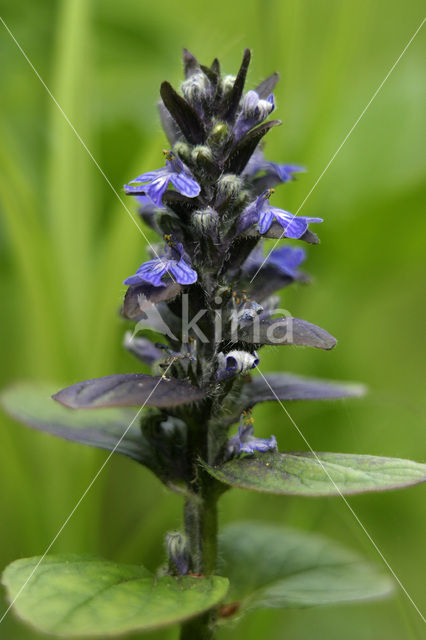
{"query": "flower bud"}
pixel 205 221
pixel 178 554
pixel 229 185
pixel 249 311
pixel 254 107
pixel 202 156
pixel 235 362
pixel 195 88
pixel 227 83
pixel 183 150
pixel 219 133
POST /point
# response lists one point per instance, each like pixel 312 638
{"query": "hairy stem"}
pixel 200 517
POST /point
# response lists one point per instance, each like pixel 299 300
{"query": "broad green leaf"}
pixel 322 474
pixel 274 566
pixel 33 405
pixel 128 389
pixel 71 595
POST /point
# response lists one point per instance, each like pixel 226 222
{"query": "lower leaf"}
pixel 278 567
pixel 72 595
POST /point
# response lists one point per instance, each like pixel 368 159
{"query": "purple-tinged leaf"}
pixel 33 405
pixel 288 386
pixel 286 331
pixel 171 129
pixel 142 348
pixel 138 296
pixel 241 153
pixel 179 204
pixel 215 66
pixel 210 74
pixel 265 88
pixel 321 474
pixel 270 279
pixel 309 236
pixel 129 389
pixel 190 63
pixel 276 232
pixel 186 117
pixel 232 100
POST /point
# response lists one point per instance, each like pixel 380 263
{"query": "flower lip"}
pixel 156 182
pixel 173 263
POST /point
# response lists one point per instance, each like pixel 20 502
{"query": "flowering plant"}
pixel 209 289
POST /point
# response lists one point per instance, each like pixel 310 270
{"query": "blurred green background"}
pixel 67 243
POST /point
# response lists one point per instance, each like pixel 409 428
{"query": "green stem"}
pixel 200 517
pixel 197 629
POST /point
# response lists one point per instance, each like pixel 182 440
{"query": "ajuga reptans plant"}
pixel 210 289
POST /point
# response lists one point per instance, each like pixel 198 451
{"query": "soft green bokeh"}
pixel 68 242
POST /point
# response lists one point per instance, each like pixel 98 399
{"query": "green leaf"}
pixel 71 595
pixel 322 474
pixel 273 566
pixel 33 405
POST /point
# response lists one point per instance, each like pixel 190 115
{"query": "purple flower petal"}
pixel 150 175
pixel 266 218
pixel 151 271
pixel 183 272
pixel 135 189
pixel 248 217
pixel 298 226
pixel 246 442
pixel 258 444
pixel 156 189
pixel 287 259
pixel 185 184
pixel 282 171
pixel 293 228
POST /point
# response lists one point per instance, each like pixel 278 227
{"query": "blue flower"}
pixel 285 259
pixel 280 172
pixel 172 263
pixel 157 181
pixel 254 110
pixel 246 442
pixel 261 212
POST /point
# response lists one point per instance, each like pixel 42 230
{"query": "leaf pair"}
pixel 103 428
pixel 116 429
pixel 266 565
